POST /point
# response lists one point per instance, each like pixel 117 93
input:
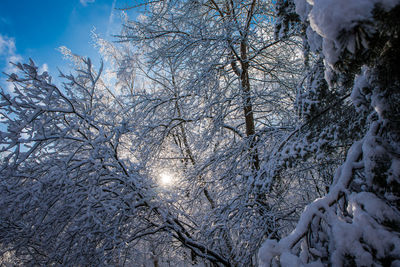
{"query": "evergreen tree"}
pixel 356 223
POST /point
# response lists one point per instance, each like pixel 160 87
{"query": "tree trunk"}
pixel 248 108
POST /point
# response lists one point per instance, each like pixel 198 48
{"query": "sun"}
pixel 166 178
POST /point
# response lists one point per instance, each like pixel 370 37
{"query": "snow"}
pixel 394 171
pixel 362 232
pixel 376 207
pixel 314 40
pixel 331 18
pixel 268 251
pixel 358 96
pixel 272 248
pixel 367 211
pixel 289 260
pixel 302 8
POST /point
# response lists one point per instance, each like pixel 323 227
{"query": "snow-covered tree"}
pixel 70 193
pixel 207 130
pixel 223 92
pixel 356 222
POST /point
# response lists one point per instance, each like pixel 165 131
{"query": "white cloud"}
pixel 111 21
pixel 8 53
pixel 7 45
pixel 85 2
pixel 111 17
pixel 44 68
pixel 10 68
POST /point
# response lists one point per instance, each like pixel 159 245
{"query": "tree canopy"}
pixel 213 133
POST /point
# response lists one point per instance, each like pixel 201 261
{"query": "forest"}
pixel 212 133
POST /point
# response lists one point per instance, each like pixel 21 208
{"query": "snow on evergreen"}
pixel 355 223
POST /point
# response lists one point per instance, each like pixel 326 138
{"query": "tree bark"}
pixel 248 108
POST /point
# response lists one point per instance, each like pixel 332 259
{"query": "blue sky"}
pixel 36 28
